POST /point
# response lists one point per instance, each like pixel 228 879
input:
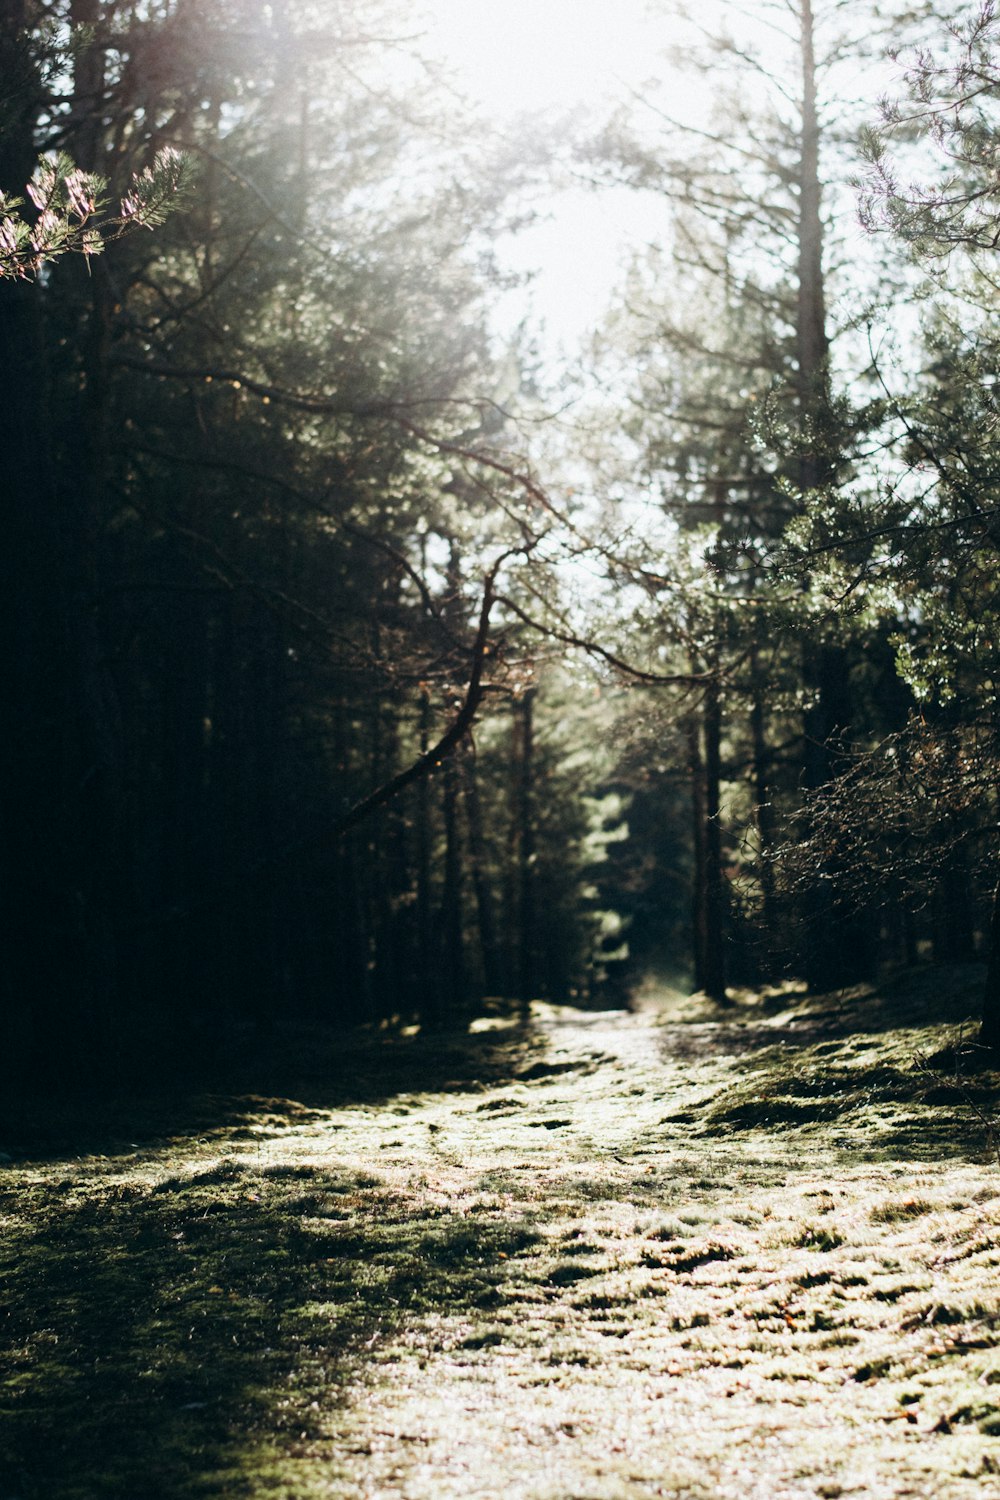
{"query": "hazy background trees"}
pixel 769 461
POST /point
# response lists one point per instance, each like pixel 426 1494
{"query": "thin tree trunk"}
pixel 989 1030
pixel 699 886
pixel 954 940
pixel 811 338
pixel 714 983
pixel 478 859
pixel 452 923
pixel 764 809
pixel 426 987
pixel 526 850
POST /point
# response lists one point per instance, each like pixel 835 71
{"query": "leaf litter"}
pixel 677 1252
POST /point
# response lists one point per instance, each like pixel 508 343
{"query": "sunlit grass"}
pixel 434 1295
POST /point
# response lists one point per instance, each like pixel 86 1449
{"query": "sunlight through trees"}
pixel 367 660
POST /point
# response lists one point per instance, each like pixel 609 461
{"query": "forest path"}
pixel 658 1254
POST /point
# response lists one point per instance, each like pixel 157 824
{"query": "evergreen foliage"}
pixel 333 691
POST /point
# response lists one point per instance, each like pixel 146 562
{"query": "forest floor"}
pixel 678 1252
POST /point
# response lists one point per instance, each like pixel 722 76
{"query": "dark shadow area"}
pixel 164 1343
pixel 282 1079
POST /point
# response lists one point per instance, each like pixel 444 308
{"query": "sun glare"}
pixel 532 57
pixel 515 58
pixel 527 55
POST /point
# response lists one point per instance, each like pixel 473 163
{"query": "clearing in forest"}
pixel 675 1252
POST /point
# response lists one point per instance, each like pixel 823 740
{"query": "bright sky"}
pixel 516 56
pixel 524 54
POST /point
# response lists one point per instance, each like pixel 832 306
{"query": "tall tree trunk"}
pixel 811 337
pixel 840 941
pixel 180 816
pixel 526 973
pixel 839 947
pixel 106 888
pixel 340 984
pixel 373 870
pixel 426 997
pixel 452 926
pixel 954 925
pixel 699 884
pixel 704 734
pixel 763 808
pixel 989 1030
pixel 715 880
pixel 36 896
pixel 478 860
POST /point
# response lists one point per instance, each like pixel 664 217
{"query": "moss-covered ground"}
pixel 679 1252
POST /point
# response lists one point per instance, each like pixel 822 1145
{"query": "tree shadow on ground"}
pixel 168 1342
pixel 288 1077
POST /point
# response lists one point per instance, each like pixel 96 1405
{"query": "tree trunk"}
pixel 989 1030
pixel 106 887
pixel 699 885
pixel 764 811
pixel 426 988
pixel 811 338
pixel 478 859
pixel 452 924
pixel 704 737
pixel 36 899
pixel 526 851
pixel 954 925
pixel 65 869
pixel 715 893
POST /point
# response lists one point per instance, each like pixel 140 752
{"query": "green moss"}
pixel 505 1310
